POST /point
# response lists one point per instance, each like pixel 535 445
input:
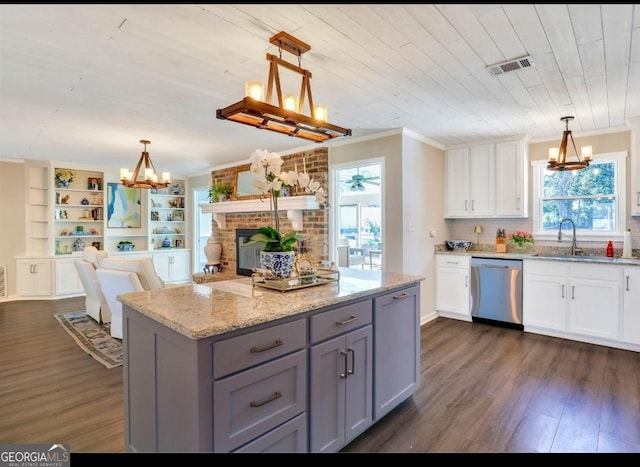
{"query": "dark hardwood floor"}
pixel 483 389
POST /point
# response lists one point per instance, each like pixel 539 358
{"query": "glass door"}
pixel 359 215
pixel 203 227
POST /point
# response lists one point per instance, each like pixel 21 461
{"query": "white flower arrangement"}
pixel 269 178
pixel 65 175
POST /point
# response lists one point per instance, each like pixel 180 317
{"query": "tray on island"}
pixel 319 277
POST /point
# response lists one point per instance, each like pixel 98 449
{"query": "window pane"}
pixel 597 179
pixel 597 214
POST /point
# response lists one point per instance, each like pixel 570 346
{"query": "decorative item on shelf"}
pixel 125 245
pixel 150 174
pixel 166 243
pixel 220 192
pixel 278 254
pixel 520 239
pixel 176 188
pixel 94 183
pixel 78 245
pixel 558 156
pixel 213 251
pixel 287 117
pixel 65 199
pixel 84 202
pixel 58 251
pixel 64 177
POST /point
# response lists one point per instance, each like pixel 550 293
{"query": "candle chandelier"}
pixel 288 116
pixel 150 175
pixel 558 156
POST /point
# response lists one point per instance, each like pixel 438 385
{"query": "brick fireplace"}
pixel 315 222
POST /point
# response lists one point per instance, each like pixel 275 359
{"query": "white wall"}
pixel 12 213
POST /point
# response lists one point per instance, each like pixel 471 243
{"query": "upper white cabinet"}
pixel 486 180
pixel 634 191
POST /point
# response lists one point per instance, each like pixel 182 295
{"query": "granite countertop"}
pixel 547 257
pixel 204 310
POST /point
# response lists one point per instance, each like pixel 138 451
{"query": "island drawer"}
pixel 344 319
pixel 241 352
pixel 251 403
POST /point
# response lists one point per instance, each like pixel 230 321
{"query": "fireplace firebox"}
pixel 247 256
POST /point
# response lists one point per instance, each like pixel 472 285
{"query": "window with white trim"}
pixel 594 198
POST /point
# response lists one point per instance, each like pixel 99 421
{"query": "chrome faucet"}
pixel 574 249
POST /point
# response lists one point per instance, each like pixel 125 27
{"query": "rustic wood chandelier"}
pixel 558 157
pixel 150 180
pixel 288 116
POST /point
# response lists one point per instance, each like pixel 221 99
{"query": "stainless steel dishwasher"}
pixel 496 291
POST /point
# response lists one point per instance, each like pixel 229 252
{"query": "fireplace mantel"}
pixel 294 205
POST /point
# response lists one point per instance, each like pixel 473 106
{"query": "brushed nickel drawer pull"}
pixel 402 295
pixel 276 395
pixel 277 343
pixel 346 321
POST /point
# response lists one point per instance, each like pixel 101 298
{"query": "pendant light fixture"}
pixel 150 176
pixel 288 116
pixel 558 156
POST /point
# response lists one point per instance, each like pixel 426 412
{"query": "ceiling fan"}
pixel 357 181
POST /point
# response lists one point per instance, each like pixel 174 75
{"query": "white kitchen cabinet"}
pixel 511 179
pixel 634 190
pixel 594 300
pixel 578 301
pixel 67 279
pixel 452 286
pixel 487 180
pixel 630 309
pixel 544 295
pixel 172 265
pixel 34 277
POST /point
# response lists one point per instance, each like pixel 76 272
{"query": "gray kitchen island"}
pixel 232 367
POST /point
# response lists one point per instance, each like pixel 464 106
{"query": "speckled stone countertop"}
pixel 547 257
pixel 204 310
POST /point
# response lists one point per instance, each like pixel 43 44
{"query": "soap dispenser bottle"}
pixel 610 249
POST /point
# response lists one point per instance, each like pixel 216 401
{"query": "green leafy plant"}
pixel 219 188
pixel 275 241
pixel 65 175
pixel 520 238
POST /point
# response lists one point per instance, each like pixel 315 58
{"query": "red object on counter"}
pixel 610 249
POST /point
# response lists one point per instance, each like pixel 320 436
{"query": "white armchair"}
pixel 123 275
pixel 95 302
pixel 114 283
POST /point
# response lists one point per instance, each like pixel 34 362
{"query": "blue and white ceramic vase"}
pixel 280 263
pixel 63 184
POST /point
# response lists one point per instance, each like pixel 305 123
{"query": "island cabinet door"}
pixel 340 402
pixel 396 323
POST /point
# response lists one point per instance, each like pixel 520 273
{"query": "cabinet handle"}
pixel 402 295
pixel 466 280
pixel 452 262
pixel 518 203
pixel 573 292
pixel 562 294
pixel 35 269
pixel 277 343
pixel 466 205
pixel 473 204
pixel 346 364
pixel 346 321
pixel 637 198
pixel 627 283
pixel 352 371
pixel 276 395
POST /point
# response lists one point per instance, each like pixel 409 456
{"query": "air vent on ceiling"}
pixel 510 65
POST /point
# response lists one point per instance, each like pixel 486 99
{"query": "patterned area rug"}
pixel 93 338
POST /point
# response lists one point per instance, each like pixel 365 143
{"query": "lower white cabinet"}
pixel 34 277
pixel 67 279
pixel 631 309
pixel 172 265
pixel 573 300
pixel 452 286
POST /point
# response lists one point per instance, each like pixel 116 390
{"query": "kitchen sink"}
pixel 578 257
